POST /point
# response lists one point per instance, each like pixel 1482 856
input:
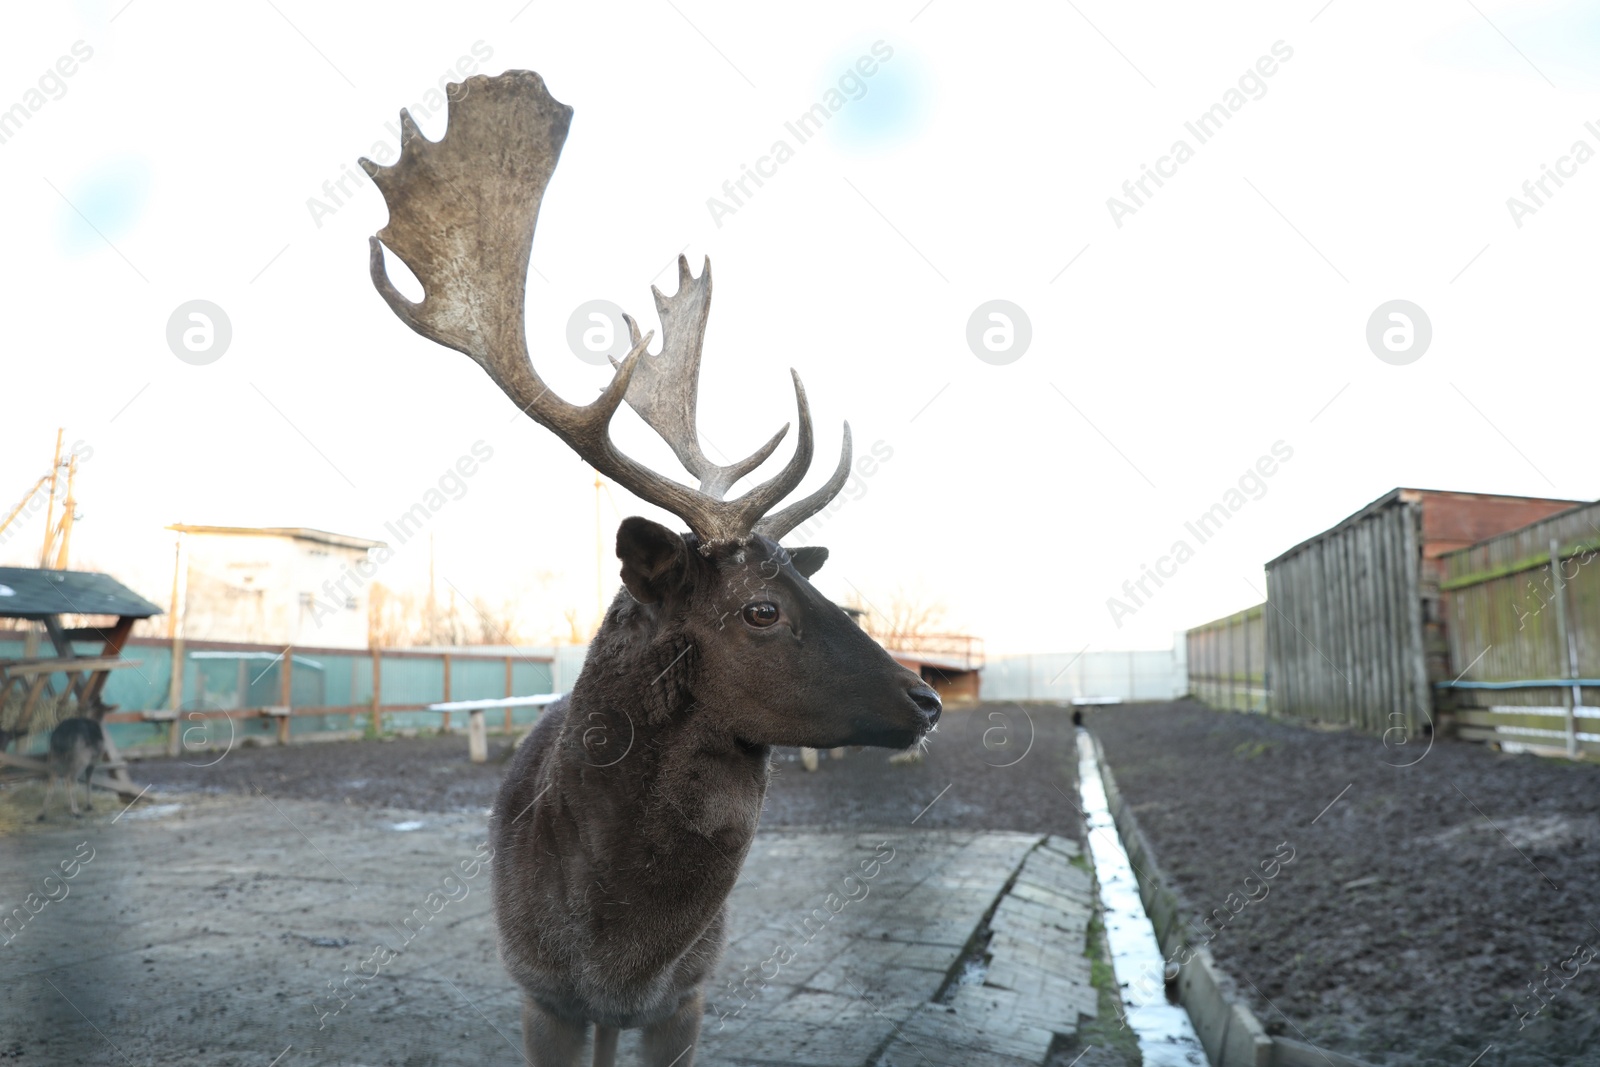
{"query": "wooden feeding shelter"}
pixel 1357 617
pixel 29 683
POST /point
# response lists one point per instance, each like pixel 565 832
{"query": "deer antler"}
pixel 462 213
pixel 664 387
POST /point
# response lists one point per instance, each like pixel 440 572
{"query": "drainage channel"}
pixel 1166 1037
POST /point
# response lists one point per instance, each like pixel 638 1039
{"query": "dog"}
pixel 76 745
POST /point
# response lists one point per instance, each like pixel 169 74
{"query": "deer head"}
pixel 765 643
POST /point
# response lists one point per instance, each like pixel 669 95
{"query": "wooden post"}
pixel 1565 650
pixel 286 694
pixel 509 726
pixel 445 726
pixel 175 681
pixel 377 691
pixel 175 698
pixel 477 737
pixel 113 647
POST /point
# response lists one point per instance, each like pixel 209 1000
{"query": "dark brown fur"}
pixel 626 814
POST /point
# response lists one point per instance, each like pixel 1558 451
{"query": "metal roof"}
pixel 30 593
pixel 956 664
pixel 298 533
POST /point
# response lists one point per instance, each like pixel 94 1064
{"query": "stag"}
pixel 626 814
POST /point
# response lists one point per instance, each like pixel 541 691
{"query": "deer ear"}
pixel 808 560
pixel 654 559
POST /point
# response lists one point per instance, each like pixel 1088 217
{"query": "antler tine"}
pixel 764 497
pixel 666 386
pixel 778 524
pixel 715 481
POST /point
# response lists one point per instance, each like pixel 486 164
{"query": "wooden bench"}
pixel 477 730
pixel 283 715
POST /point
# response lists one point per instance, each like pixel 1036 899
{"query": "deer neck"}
pixel 636 733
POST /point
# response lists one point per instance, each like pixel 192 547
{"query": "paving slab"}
pixel 244 930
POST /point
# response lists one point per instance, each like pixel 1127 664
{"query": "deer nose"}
pixel 927 702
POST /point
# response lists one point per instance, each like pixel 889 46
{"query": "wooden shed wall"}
pixel 1344 625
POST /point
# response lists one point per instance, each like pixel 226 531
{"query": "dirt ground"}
pixel 992 767
pixel 1430 889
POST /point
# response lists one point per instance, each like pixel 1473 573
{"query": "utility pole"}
pixel 50 508
pixel 599 558
pixel 175 679
pixel 433 626
pixel 177 567
pixel 69 509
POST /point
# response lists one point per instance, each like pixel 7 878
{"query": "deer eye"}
pixel 761 614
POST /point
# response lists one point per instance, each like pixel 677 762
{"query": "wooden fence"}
pixel 1525 632
pixel 1228 661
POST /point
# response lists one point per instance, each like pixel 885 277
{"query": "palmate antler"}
pixel 462 213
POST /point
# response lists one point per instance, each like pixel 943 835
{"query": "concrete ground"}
pixel 244 930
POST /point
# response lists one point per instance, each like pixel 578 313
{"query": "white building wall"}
pixel 1120 675
pixel 269 589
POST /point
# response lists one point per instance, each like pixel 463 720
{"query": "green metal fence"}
pixel 231 692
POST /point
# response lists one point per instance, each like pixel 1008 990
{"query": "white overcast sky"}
pixel 1229 313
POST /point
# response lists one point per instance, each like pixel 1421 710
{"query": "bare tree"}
pixel 905 615
pixel 575 635
pixel 494 625
pixel 389 617
pixel 397 620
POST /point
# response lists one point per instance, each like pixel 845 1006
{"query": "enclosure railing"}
pixel 223 692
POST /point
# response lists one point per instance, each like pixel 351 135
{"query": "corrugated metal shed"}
pixel 1356 627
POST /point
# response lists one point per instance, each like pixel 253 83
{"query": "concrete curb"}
pixel 1228 1030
